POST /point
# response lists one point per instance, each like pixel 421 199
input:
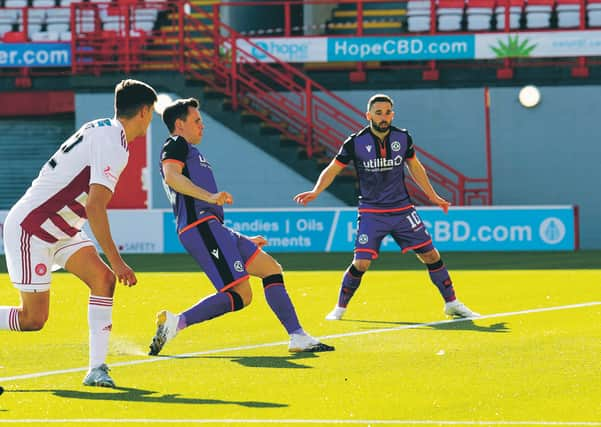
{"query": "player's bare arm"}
pixel 420 176
pixel 96 210
pixel 180 183
pixel 326 177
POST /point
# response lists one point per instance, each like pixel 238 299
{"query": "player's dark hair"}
pixel 379 97
pixel 131 95
pixel 178 109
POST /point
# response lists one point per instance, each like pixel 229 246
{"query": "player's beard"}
pixel 382 127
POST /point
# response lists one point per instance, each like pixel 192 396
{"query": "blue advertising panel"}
pixel 401 48
pixel 35 54
pixel 511 228
pixel 294 230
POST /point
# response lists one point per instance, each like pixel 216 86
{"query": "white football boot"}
pixel 304 342
pixel 166 331
pixel 99 377
pixel 336 314
pixel 458 309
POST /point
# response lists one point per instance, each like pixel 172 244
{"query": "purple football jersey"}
pixel 380 167
pixel 187 209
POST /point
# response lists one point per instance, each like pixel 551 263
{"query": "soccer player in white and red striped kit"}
pixel 44 227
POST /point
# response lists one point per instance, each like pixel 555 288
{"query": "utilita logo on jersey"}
pixel 379 164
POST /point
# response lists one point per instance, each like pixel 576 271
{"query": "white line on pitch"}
pixel 273 344
pixel 299 421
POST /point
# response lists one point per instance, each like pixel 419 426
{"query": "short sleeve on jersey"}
pixel 347 151
pixel 175 149
pixel 410 153
pixel 108 155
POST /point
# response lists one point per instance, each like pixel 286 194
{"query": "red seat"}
pixel 14 37
pixel 488 4
pixel 541 3
pixel 451 4
pixel 512 3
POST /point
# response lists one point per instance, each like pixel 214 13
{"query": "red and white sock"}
pixel 100 313
pixel 9 318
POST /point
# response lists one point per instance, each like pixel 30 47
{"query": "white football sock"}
pixel 9 318
pixel 100 312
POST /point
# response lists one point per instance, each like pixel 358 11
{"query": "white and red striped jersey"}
pixel 53 208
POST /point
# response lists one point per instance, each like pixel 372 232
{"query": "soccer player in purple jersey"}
pixel 227 257
pixel 380 152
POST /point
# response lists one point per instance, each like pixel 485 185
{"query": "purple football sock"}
pixel 280 303
pixel 440 277
pixel 350 283
pixel 212 306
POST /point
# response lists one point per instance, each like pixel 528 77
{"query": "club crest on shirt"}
pixel 40 269
pixel 109 174
pixel 395 146
pixel 238 266
pixel 368 148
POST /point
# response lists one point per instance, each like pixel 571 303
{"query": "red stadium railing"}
pixel 196 42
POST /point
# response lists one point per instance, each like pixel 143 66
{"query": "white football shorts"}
pixel 30 260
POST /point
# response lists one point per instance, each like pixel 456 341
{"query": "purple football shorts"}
pixel 222 253
pixel 406 228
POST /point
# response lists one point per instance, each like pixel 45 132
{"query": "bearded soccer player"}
pixel 228 258
pixel 45 226
pixel 380 153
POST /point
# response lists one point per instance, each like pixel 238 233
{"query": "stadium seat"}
pixel 35 16
pixel 85 21
pixel 14 37
pixel 9 16
pixel 58 14
pixel 5 28
pixel 418 15
pixel 58 27
pixel 568 13
pixel 515 14
pixel 450 14
pixel 45 36
pixel 593 12
pixel 144 19
pixel 15 3
pixel 65 36
pixel 43 3
pixel 538 13
pixel 479 14
pixel 57 19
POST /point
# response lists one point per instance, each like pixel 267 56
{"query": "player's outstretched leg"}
pixel 99 377
pixel 166 331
